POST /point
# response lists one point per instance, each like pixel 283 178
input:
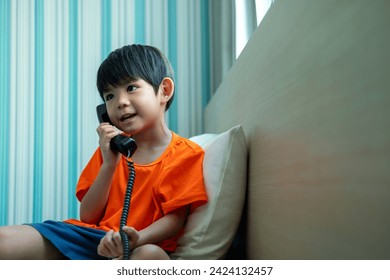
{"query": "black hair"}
pixel 134 62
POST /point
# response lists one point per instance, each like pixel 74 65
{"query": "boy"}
pixel 136 84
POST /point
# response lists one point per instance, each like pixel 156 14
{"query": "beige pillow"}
pixel 210 229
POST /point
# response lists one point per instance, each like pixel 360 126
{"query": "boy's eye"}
pixel 131 88
pixel 108 96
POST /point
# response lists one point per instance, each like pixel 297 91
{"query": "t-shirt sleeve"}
pixel 183 184
pixel 89 174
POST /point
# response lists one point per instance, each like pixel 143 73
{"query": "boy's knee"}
pixel 3 235
pixel 4 239
pixel 149 252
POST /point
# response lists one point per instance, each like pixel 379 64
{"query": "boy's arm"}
pixel 164 228
pixel 94 202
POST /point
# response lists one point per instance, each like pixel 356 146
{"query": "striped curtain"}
pixel 49 54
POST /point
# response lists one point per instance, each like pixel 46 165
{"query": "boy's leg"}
pixel 25 243
pixel 149 252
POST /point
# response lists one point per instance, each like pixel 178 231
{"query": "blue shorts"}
pixel 74 242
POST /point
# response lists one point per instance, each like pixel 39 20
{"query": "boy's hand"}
pixel 110 245
pixel 106 132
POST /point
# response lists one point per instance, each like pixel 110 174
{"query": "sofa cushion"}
pixel 210 229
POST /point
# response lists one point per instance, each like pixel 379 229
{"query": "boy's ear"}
pixel 167 88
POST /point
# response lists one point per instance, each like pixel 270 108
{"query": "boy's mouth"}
pixel 126 117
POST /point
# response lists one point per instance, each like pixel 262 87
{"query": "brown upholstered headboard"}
pixel 312 91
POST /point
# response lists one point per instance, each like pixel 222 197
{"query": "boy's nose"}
pixel 123 101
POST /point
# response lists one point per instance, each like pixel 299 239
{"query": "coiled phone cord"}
pixel 126 209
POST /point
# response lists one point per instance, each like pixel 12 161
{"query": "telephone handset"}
pixel 120 143
pixel 126 146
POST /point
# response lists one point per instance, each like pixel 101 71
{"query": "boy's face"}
pixel 134 107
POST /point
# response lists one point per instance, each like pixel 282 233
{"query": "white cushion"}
pixel 210 229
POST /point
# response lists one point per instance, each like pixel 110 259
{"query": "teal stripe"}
pixel 106 28
pixel 206 95
pixel 38 111
pixel 172 56
pixel 139 18
pixel 5 53
pixel 73 107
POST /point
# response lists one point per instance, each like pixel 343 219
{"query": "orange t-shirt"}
pixel 174 180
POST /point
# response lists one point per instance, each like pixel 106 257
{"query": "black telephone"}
pixel 120 143
pixel 126 146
